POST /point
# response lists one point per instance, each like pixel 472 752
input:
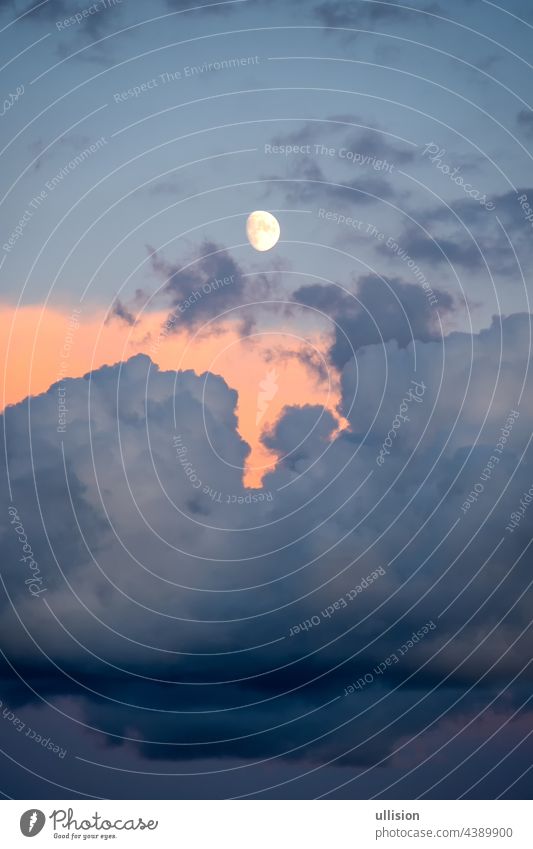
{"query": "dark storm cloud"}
pixel 382 309
pixel 184 589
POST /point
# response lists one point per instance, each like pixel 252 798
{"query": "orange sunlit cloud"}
pixel 42 347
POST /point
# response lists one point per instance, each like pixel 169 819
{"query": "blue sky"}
pixel 399 77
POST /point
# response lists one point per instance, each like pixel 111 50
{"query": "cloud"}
pixel 118 310
pixel 38 9
pixel 340 13
pixel 213 8
pixel 85 33
pixel 203 288
pixel 358 164
pixel 182 602
pixel 525 121
pixel 58 10
pixel 455 228
pixel 381 309
pixel 373 142
pixel 343 13
pixel 307 183
pixel 459 250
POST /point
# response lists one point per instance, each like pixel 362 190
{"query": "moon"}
pixel 262 229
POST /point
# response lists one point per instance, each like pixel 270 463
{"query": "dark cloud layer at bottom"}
pixel 172 621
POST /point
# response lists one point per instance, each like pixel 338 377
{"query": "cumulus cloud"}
pixel 173 597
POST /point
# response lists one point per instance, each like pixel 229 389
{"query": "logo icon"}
pixel 32 822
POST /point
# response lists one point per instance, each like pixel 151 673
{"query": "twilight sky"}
pixel 267 516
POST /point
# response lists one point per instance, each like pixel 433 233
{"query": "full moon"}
pixel 262 230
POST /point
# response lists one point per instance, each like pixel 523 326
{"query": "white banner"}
pixel 267 824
